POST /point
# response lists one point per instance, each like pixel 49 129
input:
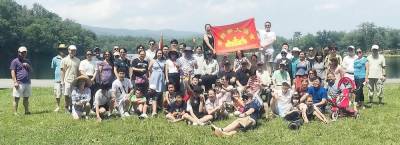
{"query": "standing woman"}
pixel 240 58
pixel 208 41
pixel 302 68
pixel 319 65
pixel 105 69
pixel 157 78
pixel 359 76
pixel 172 70
pixel 87 68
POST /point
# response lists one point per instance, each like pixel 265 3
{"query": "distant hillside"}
pixel 168 33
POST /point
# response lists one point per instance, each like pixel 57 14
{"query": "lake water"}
pixel 393 67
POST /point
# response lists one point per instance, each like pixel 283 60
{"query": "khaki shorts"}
pixel 58 90
pixel 67 89
pixel 246 122
pixel 24 90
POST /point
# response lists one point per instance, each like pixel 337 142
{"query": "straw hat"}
pixel 88 82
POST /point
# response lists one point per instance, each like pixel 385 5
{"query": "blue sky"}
pixel 287 16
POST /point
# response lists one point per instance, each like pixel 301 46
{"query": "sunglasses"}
pixel 359 51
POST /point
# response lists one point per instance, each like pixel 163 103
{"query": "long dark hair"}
pixel 111 59
pixel 319 53
pixel 162 54
pixel 241 53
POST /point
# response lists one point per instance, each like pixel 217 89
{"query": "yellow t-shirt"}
pixel 70 65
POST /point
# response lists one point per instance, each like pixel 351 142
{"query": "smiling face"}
pixel 159 54
pixel 142 55
pixel 316 83
pixel 211 95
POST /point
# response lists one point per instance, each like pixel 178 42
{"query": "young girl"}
pixel 309 111
pixel 139 102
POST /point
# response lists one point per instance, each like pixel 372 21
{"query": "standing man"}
pixel 348 62
pixel 20 73
pixel 69 71
pixel 122 63
pixel 376 74
pixel 267 50
pixel 151 52
pixel 56 65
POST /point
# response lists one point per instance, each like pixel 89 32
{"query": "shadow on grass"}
pixel 41 112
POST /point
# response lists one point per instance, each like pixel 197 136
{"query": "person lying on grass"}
pixel 80 97
pixel 139 103
pixel 247 120
pixel 177 110
pixel 309 110
pixel 103 103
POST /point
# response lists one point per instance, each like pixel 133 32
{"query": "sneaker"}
pixel 86 117
pixel 143 116
pixel 57 109
pixel 153 114
pixel 126 114
pixel 195 124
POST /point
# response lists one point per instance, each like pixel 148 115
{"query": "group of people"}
pixel 194 85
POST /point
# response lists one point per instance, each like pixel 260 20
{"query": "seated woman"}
pixel 139 103
pixel 80 97
pixel 177 110
pixel 254 85
pixel 312 73
pixel 281 100
pixel 309 110
pixel 302 90
pixel 238 103
pixel 294 115
pixel 247 120
pixel 318 94
pixel 103 102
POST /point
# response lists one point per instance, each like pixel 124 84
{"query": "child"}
pixel 121 90
pixel 102 102
pixel 176 111
pixel 309 110
pixel 139 102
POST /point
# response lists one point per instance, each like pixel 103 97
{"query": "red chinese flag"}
pixel 234 37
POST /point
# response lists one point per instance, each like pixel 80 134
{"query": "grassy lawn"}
pixel 377 125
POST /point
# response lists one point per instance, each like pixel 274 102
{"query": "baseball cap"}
pixel 375 47
pixel 351 46
pixel 72 47
pixel 62 46
pixel 296 49
pixel 22 49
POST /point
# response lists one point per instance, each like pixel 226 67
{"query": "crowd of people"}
pixel 194 85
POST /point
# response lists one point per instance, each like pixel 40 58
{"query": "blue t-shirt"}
pixel 317 93
pixel 256 106
pixel 177 108
pixel 295 61
pixel 359 68
pixel 56 65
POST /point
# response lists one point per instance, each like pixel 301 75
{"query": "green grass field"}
pixel 377 125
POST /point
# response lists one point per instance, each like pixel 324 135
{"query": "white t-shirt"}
pixel 200 61
pixel 375 66
pixel 171 66
pixel 279 56
pixel 102 99
pixel 283 102
pixel 88 67
pixel 348 64
pixel 211 105
pixel 121 88
pixel 150 55
pixel 268 52
pixel 212 68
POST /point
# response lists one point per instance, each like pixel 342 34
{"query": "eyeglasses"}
pixel 359 51
pixel 151 43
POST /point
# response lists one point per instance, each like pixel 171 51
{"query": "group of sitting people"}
pixel 197 89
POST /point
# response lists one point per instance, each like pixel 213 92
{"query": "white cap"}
pixel 351 46
pixel 22 49
pixel 115 47
pixel 116 53
pixel 311 48
pixel 72 47
pixel 284 50
pixel 296 49
pixel 375 47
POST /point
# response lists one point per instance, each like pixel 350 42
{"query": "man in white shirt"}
pixel 267 40
pixel 151 52
pixel 375 74
pixel 121 91
pixel 348 62
pixel 199 57
pixel 285 47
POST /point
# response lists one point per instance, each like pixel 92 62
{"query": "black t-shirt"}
pixel 123 64
pixel 243 76
pixel 195 103
pixel 256 106
pixel 139 64
pixel 177 108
